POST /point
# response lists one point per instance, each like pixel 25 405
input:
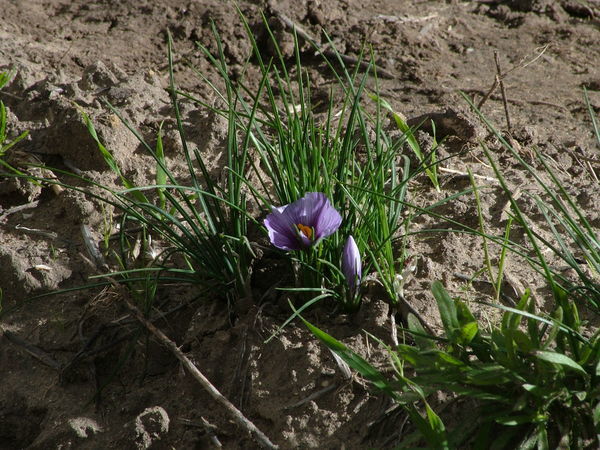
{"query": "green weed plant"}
pixel 532 380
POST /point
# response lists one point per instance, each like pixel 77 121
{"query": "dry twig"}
pixel 465 174
pixel 500 76
pixel 16 209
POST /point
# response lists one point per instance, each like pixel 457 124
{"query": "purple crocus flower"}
pixel 351 264
pixel 303 223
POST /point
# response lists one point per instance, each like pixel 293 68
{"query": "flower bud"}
pixel 351 264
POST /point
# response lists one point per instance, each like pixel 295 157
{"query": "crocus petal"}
pixel 282 231
pixel 328 221
pixel 351 264
pixel 306 209
pixel 313 211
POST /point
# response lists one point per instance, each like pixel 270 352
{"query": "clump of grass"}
pixel 278 149
pixel 203 224
pixel 342 152
pixel 574 240
pixel 533 379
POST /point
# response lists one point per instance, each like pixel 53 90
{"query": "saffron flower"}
pixel 351 264
pixel 303 223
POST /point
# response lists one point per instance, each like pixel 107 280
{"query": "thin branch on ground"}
pixel 465 174
pixel 501 76
pixel 512 100
pixel 16 209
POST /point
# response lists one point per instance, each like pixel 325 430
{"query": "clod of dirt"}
pixel 452 122
pixel 150 426
pixel 98 76
pixel 24 270
pixel 580 10
pixel 83 426
pixel 57 104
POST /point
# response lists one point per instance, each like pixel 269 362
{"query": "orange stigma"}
pixel 306 231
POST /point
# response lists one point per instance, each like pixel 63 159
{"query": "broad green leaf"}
pixel 6 76
pixel 447 310
pixel 450 359
pixel 2 126
pixel 510 321
pixel 435 439
pixel 463 313
pixel 523 341
pixel 434 421
pixel 468 331
pixel 530 441
pixel 489 375
pixel 499 339
pixel 538 391
pixel 560 359
pixel 542 434
pixel 533 326
pixel 419 333
pixel 551 338
pixel 410 354
pixel 478 393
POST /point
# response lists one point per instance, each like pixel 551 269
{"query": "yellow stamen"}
pixel 306 231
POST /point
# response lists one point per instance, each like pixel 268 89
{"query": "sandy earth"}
pixel 67 52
